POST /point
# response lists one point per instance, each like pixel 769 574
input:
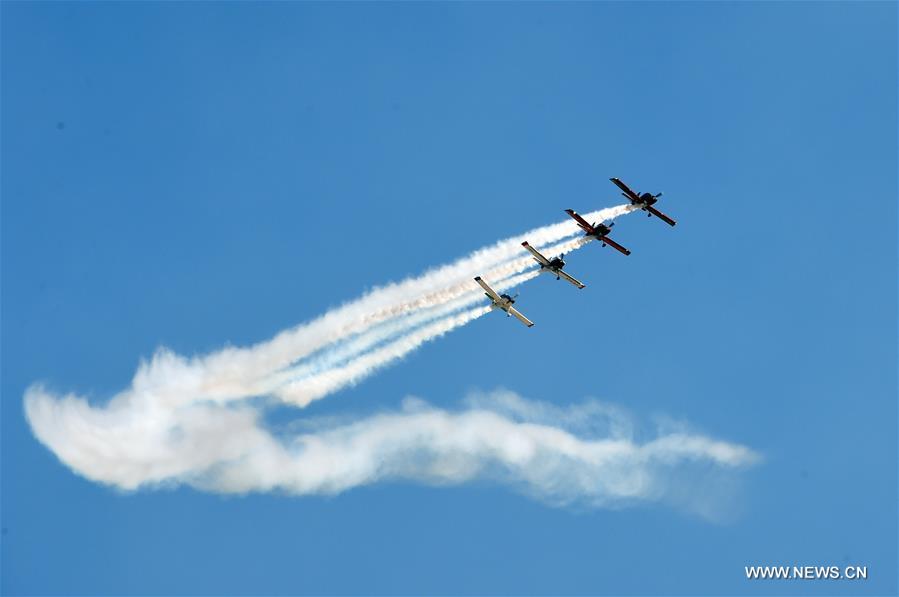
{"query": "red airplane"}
pixel 597 231
pixel 644 201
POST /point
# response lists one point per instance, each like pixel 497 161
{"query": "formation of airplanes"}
pixel 594 231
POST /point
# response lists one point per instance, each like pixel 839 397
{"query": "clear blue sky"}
pixel 179 174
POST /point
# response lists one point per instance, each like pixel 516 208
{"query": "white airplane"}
pixel 553 266
pixel 504 302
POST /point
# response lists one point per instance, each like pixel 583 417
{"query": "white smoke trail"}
pixel 320 376
pixel 190 421
pixel 303 391
pixel 587 454
pixel 234 373
pixel 344 351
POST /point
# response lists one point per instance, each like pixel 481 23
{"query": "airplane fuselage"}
pixel 646 200
pixel 599 231
pixel 548 269
pixel 504 303
pixel 554 266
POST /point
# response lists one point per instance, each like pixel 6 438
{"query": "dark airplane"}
pixel 598 231
pixel 644 201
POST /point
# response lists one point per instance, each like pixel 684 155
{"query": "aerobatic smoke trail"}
pixel 344 351
pixel 445 304
pixel 237 373
pixel 191 421
pixel 587 454
pixel 233 373
pixel 303 391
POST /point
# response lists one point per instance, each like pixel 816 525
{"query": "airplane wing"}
pixel 627 190
pixel 520 317
pixel 490 292
pixel 584 224
pixel 571 279
pixel 660 216
pixel 614 245
pixel 540 258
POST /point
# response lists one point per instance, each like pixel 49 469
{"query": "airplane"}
pixel 504 302
pixel 644 201
pixel 553 266
pixel 597 231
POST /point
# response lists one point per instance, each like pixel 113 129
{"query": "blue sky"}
pixel 195 175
